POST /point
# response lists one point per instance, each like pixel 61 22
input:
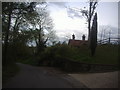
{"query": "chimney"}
pixel 83 37
pixel 73 37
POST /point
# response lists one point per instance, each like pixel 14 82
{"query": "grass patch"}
pixel 105 54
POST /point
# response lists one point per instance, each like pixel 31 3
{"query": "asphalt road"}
pixel 40 77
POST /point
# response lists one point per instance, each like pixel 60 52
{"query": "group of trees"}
pixel 29 22
pixel 22 23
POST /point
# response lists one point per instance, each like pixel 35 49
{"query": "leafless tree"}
pixel 88 14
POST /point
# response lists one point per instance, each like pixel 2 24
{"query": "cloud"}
pixel 66 26
pixel 58 4
pixel 71 12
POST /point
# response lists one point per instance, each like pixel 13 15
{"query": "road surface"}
pixel 41 77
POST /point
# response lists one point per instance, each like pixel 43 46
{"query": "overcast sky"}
pixel 65 23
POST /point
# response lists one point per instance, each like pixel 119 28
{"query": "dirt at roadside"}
pixel 98 80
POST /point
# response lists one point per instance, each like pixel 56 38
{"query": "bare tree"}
pixel 104 32
pixel 88 14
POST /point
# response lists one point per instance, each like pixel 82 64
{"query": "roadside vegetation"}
pixel 105 54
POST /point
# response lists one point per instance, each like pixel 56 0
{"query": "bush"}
pixel 56 55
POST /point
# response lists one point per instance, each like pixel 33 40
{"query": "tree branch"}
pixel 93 8
pixel 46 40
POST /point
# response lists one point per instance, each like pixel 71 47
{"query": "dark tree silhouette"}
pixel 93 38
pixel 89 15
pixel 7 10
pixel 13 16
pixel 92 7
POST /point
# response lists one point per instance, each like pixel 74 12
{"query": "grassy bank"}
pixel 105 54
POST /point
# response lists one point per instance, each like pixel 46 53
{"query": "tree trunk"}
pixel 93 38
pixel 89 23
pixel 7 34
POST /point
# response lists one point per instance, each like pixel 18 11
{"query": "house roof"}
pixel 77 43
